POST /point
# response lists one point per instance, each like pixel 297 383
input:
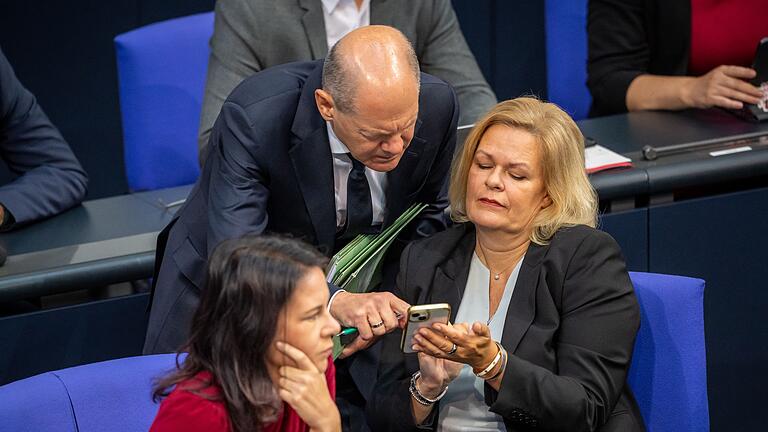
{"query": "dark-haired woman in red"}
pixel 260 346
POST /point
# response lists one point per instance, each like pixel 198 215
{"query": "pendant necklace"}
pixel 496 276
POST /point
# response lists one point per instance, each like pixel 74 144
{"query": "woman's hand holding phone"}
pixel 474 345
pixel 436 373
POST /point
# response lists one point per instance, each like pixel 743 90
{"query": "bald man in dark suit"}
pixel 323 151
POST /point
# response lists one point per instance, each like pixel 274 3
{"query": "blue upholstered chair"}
pixel 668 375
pixel 111 396
pixel 566 45
pixel 161 69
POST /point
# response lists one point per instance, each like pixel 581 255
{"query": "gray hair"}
pixel 340 84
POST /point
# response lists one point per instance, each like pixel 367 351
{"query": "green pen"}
pixel 347 331
pixel 347 335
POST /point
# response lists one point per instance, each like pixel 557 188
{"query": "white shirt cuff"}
pixel 330 301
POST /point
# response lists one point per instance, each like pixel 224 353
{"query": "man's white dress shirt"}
pixel 342 166
pixel 343 16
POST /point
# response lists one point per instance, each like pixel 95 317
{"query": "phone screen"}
pixel 760 65
pixel 423 316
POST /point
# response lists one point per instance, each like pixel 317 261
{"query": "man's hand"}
pixel 373 314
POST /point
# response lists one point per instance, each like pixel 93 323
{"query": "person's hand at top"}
pixel 724 86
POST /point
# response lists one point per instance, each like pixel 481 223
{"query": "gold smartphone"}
pixel 423 316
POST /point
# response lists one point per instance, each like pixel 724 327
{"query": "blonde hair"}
pixel 574 201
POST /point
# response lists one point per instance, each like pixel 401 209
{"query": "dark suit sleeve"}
pixel 51 179
pixel 446 55
pixel 237 193
pixel 599 318
pixel 435 189
pixel 232 60
pixel 618 51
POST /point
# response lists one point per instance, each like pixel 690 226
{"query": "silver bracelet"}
pixel 420 398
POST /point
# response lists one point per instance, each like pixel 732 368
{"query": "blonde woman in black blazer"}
pixel 526 213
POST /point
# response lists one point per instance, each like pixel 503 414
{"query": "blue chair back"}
pixel 161 70
pixel 668 375
pixel 113 395
pixel 566 44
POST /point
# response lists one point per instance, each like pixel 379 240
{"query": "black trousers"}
pixel 349 399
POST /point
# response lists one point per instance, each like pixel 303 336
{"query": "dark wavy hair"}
pixel 249 282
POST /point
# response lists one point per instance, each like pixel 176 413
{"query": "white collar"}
pixel 330 5
pixel 337 147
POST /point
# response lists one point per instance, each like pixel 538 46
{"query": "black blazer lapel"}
pixel 312 163
pixel 522 305
pixel 451 275
pixel 314 27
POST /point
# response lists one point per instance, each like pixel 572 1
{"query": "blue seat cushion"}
pixel 115 395
pixel 668 372
pixel 35 404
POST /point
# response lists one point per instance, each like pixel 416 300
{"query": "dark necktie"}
pixel 359 207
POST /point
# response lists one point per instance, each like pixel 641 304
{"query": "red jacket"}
pixel 185 411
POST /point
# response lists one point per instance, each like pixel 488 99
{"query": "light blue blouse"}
pixel 463 406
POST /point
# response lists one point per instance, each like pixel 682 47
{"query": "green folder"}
pixel 356 268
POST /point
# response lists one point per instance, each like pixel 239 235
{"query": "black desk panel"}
pixel 724 240
pixel 53 339
pixel 630 229
pixel 101 242
pixel 628 133
pixel 621 184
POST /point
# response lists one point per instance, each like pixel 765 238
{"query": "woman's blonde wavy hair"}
pixel 574 201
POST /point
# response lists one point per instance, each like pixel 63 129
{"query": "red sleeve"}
pixel 185 411
pixel 330 377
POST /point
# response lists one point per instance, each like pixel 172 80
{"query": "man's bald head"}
pixel 370 95
pixel 377 57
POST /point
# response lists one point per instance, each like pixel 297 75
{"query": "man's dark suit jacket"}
pixel 51 179
pixel 569 331
pixel 632 37
pixel 270 169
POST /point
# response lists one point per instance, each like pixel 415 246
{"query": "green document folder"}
pixel 356 268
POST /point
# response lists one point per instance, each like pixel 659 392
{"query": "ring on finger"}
pixel 452 350
pixel 377 325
